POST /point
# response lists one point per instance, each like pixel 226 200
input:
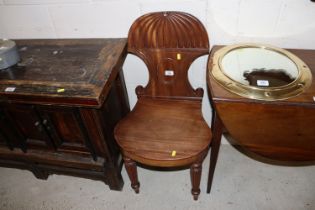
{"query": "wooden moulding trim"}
pixel 272 152
pixel 168 163
pixel 273 103
pixel 42 100
pixel 52 158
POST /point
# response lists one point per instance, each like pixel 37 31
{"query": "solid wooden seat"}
pixel 156 128
pixel 166 127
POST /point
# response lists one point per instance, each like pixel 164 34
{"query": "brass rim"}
pixel 298 86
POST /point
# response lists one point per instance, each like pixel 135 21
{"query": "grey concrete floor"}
pixel 240 183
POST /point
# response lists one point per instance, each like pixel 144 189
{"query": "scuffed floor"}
pixel 240 183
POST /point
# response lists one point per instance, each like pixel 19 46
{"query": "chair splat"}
pixel 168 43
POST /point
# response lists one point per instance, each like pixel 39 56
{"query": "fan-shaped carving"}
pixel 168 42
pixel 167 30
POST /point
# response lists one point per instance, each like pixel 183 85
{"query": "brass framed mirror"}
pixel 261 72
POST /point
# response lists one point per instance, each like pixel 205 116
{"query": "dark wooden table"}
pixel 59 106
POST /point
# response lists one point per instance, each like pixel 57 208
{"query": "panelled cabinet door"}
pixel 65 126
pixel 30 126
pixel 9 135
pixel 4 140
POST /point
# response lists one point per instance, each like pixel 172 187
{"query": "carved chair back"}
pixel 168 43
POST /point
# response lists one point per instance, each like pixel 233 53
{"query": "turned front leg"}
pixel 131 168
pixel 195 174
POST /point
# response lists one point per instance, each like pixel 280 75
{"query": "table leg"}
pixel 217 128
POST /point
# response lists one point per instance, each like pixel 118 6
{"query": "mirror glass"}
pixel 259 67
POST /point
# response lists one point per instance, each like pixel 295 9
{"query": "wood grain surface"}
pixel 156 127
pixel 40 77
pixel 67 97
pixel 280 130
pixel 166 127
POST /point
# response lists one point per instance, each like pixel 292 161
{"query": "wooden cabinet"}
pixel 67 97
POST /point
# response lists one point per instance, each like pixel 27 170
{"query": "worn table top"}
pixel 70 71
pixel 219 93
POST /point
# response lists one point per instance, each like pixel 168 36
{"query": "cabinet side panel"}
pixel 115 108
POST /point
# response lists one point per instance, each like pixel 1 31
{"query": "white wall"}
pixel 284 23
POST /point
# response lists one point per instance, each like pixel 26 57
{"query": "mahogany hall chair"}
pixel 166 127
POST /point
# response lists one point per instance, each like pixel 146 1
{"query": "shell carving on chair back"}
pixel 168 42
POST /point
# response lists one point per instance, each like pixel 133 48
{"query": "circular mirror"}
pixel 260 72
pixel 259 67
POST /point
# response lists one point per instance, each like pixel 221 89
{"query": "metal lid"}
pixel 5 45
